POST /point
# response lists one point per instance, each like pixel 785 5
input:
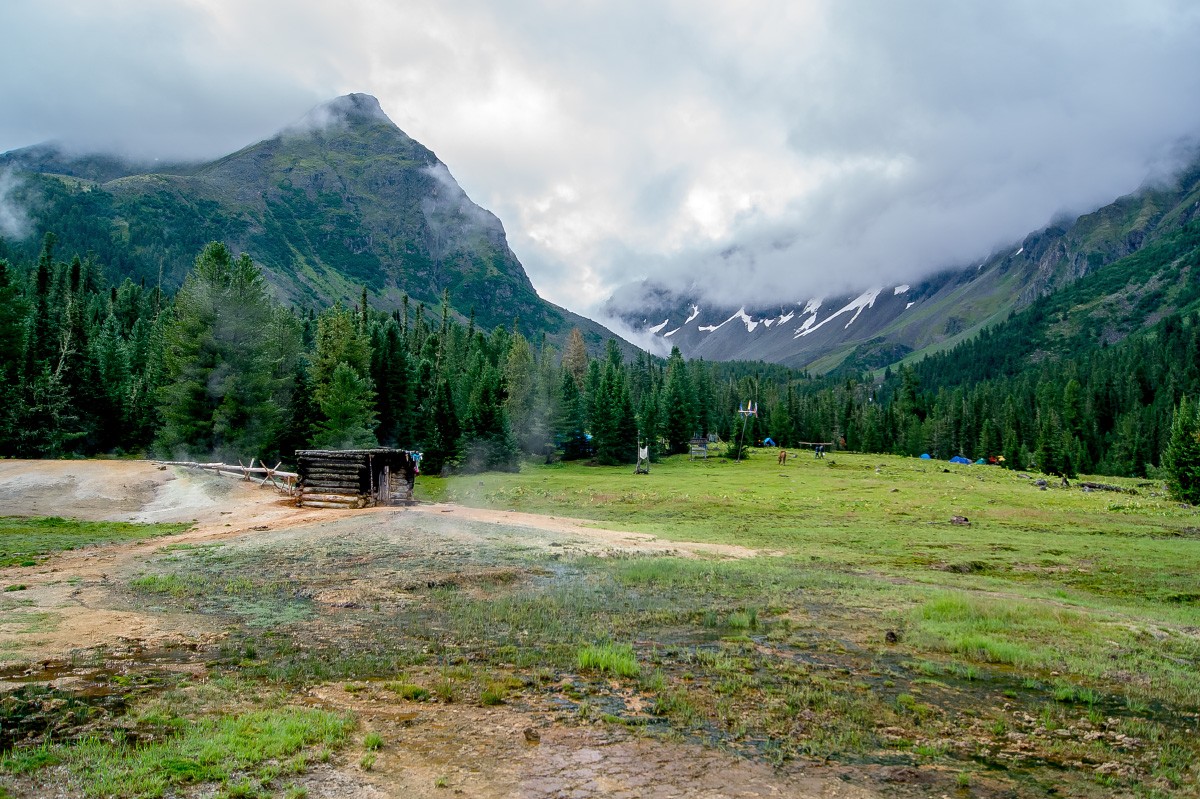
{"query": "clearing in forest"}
pixel 853 626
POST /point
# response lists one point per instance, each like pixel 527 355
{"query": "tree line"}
pixel 222 370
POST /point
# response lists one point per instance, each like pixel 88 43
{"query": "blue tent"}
pixel 981 462
pixel 768 442
pixel 926 457
pixel 960 459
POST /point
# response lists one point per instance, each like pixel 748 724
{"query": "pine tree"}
pixel 575 357
pixel 1181 460
pixel 570 423
pixel 487 441
pixel 347 405
pixel 225 385
pixel 678 407
pixel 442 431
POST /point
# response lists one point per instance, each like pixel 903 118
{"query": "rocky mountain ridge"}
pixel 340 200
pixel 883 324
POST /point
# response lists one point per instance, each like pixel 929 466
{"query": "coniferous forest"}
pixel 221 370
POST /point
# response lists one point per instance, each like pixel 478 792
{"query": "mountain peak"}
pixel 349 109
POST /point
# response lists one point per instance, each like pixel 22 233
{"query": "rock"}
pixel 959 520
pixel 1114 769
pixel 532 735
pixel 892 637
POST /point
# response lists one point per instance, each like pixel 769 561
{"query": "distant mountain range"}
pixel 339 201
pixel 884 324
pixel 343 199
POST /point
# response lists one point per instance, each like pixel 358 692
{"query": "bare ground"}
pixel 72 605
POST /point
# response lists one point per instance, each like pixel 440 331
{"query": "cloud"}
pixel 754 151
pixel 14 222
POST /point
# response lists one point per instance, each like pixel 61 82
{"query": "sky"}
pixel 751 152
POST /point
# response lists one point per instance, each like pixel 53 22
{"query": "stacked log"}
pixel 331 479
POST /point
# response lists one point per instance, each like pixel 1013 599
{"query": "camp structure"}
pixel 355 478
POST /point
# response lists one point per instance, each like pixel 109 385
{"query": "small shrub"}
pixel 373 741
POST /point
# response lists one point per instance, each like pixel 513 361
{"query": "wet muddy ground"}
pixel 453 635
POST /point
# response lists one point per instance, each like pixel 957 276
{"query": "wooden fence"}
pixel 284 481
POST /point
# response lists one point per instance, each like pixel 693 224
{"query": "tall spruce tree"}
pixel 1181 460
pixel 341 381
pixel 226 388
pixel 347 405
pixel 570 420
pixel 678 406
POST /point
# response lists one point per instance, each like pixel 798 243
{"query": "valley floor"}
pixel 819 628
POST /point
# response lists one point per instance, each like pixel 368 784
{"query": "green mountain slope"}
pixel 339 201
pixel 1116 270
pixel 1126 297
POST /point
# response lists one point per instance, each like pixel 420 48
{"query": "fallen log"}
pixel 335 505
pixel 328 497
pixel 1107 487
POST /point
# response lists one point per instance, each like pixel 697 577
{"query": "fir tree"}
pixel 678 406
pixel 1181 460
pixel 224 394
pixel 575 357
pixel 570 422
pixel 347 405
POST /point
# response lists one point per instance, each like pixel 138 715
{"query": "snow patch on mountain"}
pixel 659 327
pixel 900 290
pixel 671 333
pixel 805 325
pixel 864 300
pixel 695 313
pixel 749 322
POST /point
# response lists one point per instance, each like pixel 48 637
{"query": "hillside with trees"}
pixel 222 369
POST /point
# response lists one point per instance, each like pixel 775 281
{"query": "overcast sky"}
pixel 759 151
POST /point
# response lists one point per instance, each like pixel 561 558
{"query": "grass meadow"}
pixel 1044 642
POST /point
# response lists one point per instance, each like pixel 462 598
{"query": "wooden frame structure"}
pixel 355 478
pixel 282 480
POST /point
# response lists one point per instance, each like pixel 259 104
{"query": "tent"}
pixel 768 442
pixel 981 462
pixel 926 457
pixel 960 459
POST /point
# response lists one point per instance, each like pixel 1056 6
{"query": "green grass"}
pixel 26 541
pixel 615 659
pixel 864 610
pixel 205 750
pixel 409 691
